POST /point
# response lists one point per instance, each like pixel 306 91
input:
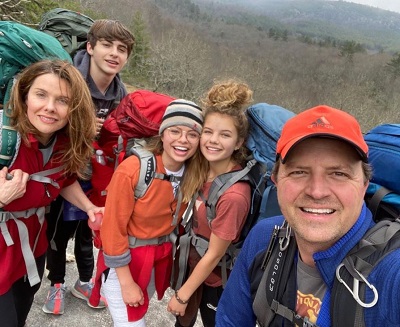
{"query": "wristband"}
pixel 179 299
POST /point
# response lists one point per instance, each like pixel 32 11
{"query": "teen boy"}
pixel 109 46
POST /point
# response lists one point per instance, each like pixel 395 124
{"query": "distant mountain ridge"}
pixel 374 28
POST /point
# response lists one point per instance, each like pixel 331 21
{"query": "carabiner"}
pixel 354 291
pixel 284 246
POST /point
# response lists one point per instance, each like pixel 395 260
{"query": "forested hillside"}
pixel 183 45
pixel 316 20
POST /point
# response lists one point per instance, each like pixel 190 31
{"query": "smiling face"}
pixel 47 105
pixel 107 58
pixel 320 190
pixel 178 148
pixel 219 138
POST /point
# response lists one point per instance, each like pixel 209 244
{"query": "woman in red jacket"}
pixel 52 112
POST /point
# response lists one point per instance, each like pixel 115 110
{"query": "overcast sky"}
pixel 393 5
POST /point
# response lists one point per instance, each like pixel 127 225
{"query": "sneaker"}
pixel 55 300
pixel 83 291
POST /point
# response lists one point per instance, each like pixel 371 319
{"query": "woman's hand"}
pixel 92 211
pixel 176 308
pixel 12 185
pixel 132 294
pixel 99 124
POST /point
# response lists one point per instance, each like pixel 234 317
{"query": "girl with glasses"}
pixel 137 233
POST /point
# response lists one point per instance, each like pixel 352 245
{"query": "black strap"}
pixel 376 199
pixel 275 298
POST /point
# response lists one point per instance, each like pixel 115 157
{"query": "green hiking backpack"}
pixel 69 27
pixel 20 46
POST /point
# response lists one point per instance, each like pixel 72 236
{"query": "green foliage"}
pixel 349 48
pixel 27 12
pixel 181 56
pixel 394 65
pixel 136 71
pixel 317 20
pixel 78 6
pixel 185 8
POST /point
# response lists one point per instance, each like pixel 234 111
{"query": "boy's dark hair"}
pixel 110 30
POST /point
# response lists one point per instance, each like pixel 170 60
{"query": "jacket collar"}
pixel 332 257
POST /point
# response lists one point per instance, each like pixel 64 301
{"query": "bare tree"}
pixel 180 64
pixel 26 12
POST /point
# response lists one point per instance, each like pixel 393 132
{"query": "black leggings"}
pixel 17 302
pixel 59 232
pixel 208 306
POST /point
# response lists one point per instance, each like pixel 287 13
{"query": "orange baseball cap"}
pixel 321 121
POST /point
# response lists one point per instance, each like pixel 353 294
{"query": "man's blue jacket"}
pixel 235 305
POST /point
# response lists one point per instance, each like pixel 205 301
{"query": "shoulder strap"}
pixel 147 172
pixel 376 200
pixel 347 303
pixel 148 166
pixel 222 183
pixel 274 301
pixel 10 140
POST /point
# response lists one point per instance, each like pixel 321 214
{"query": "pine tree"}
pixel 137 70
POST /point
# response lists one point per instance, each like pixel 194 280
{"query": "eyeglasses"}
pixel 175 133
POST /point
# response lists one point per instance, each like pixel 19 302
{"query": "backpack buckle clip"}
pixel 355 291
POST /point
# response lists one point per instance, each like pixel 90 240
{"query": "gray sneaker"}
pixel 55 300
pixel 85 291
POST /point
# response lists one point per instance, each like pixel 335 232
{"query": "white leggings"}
pixel 112 292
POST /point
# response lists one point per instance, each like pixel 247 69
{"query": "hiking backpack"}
pixel 20 46
pixel 383 200
pixel 383 193
pixel 124 132
pixel 266 122
pixel 69 27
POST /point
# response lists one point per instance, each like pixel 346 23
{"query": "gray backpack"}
pixel 69 27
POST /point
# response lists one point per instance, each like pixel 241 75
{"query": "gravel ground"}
pixel 78 313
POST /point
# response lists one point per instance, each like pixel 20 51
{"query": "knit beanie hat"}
pixel 182 112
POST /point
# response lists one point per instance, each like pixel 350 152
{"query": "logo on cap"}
pixel 321 122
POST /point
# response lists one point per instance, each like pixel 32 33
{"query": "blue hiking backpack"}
pixel 266 122
pixel 383 193
pixel 20 46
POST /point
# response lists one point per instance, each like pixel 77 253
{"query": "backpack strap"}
pixel 27 252
pixel 218 187
pixel 41 176
pixel 182 252
pixel 376 199
pixel 378 242
pixel 277 290
pixel 148 166
pixel 10 140
pixel 221 184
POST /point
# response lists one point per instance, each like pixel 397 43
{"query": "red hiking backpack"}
pixel 138 116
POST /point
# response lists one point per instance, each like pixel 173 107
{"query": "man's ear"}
pixel 273 178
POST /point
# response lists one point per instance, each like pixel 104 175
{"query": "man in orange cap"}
pixel 321 174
